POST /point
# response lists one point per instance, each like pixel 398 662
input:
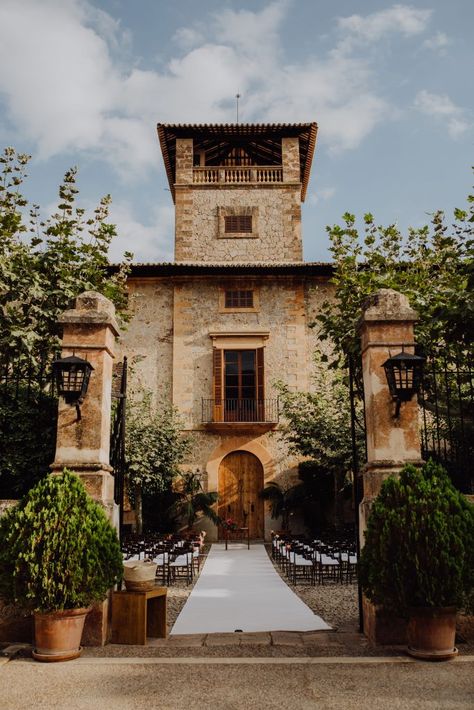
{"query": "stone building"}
pixel 215 329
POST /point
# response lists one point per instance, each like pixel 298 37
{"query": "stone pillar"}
pixel 290 157
pixel 386 324
pixel 184 161
pixel 89 331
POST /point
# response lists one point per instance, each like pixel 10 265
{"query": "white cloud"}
pixel 438 42
pixel 321 195
pixel 403 19
pixel 441 106
pixel 152 241
pixel 76 95
pixel 188 37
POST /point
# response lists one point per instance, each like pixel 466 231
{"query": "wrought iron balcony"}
pixel 228 413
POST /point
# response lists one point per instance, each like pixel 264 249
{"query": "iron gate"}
pixel 447 414
pixel 117 435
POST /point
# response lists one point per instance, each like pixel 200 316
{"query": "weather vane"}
pixel 237 97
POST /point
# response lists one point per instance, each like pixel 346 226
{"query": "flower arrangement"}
pixel 229 525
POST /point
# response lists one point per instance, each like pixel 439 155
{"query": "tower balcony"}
pixel 227 415
pixel 255 174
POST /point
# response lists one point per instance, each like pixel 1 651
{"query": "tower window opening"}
pixel 238 223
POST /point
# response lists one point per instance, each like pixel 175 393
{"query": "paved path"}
pixel 239 589
pixel 238 684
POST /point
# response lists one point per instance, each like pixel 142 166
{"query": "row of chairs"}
pixel 316 561
pixel 177 558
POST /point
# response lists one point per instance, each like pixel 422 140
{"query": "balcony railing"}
pixel 234 176
pixel 264 411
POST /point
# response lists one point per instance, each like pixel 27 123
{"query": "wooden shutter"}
pixel 218 387
pixel 260 385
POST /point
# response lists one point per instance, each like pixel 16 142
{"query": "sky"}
pixel 389 84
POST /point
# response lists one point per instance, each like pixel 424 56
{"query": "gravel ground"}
pixel 335 603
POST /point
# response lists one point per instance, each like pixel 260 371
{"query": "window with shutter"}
pixel 238 385
pixel 218 385
pixel 238 223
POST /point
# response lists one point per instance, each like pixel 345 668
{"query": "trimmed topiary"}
pixel 419 543
pixel 57 549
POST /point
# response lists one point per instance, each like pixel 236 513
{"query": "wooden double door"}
pixel 240 482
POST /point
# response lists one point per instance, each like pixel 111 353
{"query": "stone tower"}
pixel 238 190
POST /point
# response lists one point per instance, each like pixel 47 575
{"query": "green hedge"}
pixel 57 548
pixel 419 546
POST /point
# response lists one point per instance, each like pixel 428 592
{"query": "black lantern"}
pixel 403 372
pixel 72 375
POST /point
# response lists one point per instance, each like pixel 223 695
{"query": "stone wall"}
pixel 147 340
pixel 169 345
pixel 198 212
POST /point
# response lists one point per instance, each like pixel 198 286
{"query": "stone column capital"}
pixel 92 308
pixel 387 305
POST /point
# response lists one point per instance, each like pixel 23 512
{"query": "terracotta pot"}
pixel 431 633
pixel 58 635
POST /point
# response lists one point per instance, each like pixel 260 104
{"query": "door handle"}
pixel 252 509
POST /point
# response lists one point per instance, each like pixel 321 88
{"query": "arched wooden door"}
pixel 240 482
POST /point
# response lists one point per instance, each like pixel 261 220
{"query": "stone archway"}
pixel 231 445
pixel 239 486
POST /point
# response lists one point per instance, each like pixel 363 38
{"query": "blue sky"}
pixel 390 85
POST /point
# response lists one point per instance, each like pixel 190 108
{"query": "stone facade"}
pixel 180 318
pixel 199 208
pixel 278 238
pixel 169 347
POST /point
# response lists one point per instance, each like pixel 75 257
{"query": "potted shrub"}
pixel 418 558
pixel 58 555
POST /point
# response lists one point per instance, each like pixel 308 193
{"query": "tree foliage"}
pixel 191 499
pixel 432 265
pixel 419 543
pixel 44 265
pixel 57 548
pixel 155 448
pixel 284 501
pixel 317 425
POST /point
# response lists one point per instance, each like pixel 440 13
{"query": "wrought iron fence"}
pixel 447 415
pixel 28 422
pixel 242 410
pixel 117 435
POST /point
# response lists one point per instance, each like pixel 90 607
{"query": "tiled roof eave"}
pixel 147 270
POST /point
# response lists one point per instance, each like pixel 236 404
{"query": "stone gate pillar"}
pixel 386 325
pixel 89 331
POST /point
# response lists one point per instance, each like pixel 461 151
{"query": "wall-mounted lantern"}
pixel 404 373
pixel 71 375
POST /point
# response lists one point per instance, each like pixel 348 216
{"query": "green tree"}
pixel 155 448
pixel 44 265
pixel 419 543
pixel 432 265
pixel 317 425
pixel 191 499
pixel 57 548
pixel 284 501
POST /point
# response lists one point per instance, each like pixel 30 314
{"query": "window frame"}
pixel 239 211
pixel 239 309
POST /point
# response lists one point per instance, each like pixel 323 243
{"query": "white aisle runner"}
pixel 240 589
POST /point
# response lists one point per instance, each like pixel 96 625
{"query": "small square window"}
pixel 238 223
pixel 239 299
